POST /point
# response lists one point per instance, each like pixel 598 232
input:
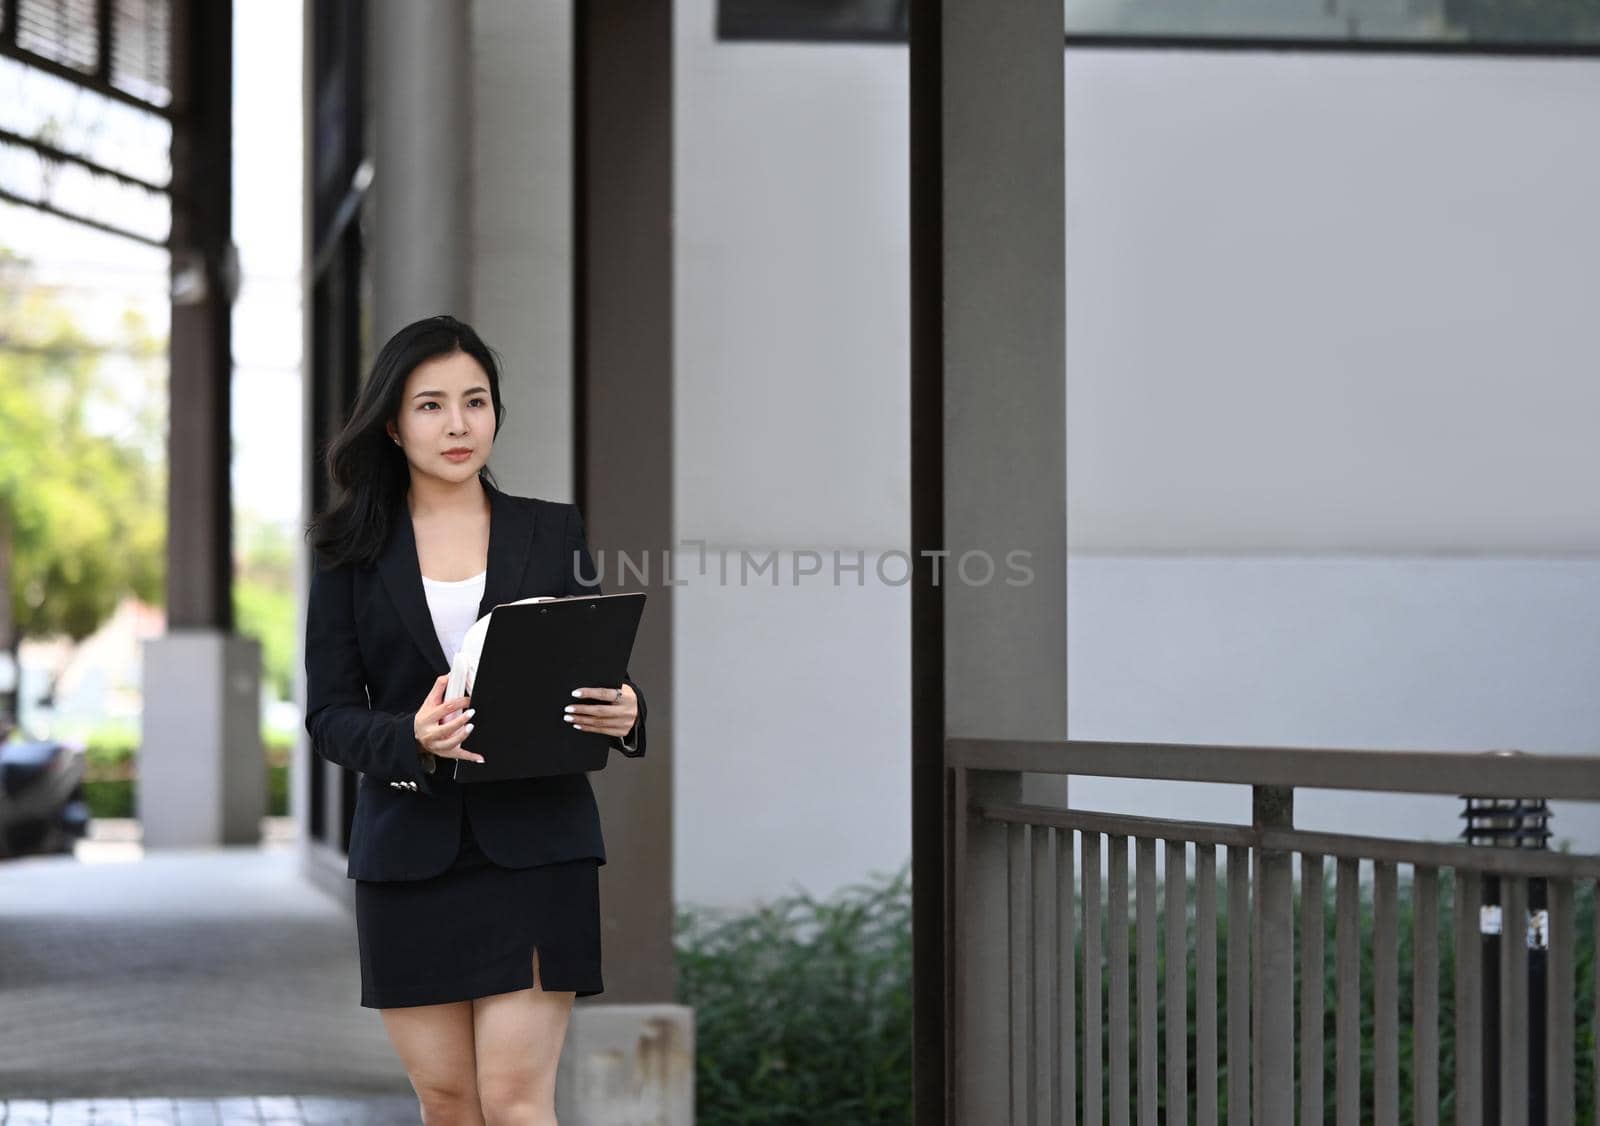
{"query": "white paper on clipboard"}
pixel 464 666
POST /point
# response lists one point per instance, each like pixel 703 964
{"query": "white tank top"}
pixel 454 606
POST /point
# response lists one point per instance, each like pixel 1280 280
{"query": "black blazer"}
pixel 371 657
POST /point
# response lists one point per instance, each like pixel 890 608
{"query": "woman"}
pixel 477 905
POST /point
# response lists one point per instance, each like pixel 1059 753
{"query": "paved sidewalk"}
pixel 264 1110
pixel 203 974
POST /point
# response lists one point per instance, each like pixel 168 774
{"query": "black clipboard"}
pixel 534 655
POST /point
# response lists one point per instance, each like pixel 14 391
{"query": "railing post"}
pixel 980 950
pixel 1272 1040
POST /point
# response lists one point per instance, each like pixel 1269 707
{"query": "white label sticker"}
pixel 1490 919
pixel 1538 930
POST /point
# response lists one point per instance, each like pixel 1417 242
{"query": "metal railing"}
pixel 1032 1043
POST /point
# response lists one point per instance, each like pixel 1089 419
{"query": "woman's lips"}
pixel 458 455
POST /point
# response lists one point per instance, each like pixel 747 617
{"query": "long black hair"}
pixel 369 473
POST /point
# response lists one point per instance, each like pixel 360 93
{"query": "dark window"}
pixel 1458 23
pixel 815 20
pixel 1482 25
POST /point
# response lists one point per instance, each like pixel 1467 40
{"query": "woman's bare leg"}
pixel 435 1046
pixel 519 1037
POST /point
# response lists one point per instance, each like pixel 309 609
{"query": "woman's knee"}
pixel 449 1103
pixel 518 1105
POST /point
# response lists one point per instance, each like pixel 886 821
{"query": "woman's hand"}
pixel 438 735
pixel 614 715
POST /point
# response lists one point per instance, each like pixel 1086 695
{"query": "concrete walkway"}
pixel 216 976
pixel 270 1111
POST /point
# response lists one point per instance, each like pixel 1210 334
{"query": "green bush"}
pixel 802 1008
pixel 111 797
pixel 111 771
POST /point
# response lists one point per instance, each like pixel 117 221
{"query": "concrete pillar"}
pixel 201 771
pixel 989 633
pixel 624 425
pixel 202 774
pixel 1005 480
pixel 421 106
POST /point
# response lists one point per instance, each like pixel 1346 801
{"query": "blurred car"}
pixel 42 804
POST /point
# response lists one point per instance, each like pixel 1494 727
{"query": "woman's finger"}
pixel 457 720
pixel 436 732
pixel 459 752
pixel 438 713
pixel 450 746
pixel 620 708
pixel 617 695
pixel 602 725
pixel 596 722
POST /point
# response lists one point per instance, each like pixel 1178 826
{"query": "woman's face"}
pixel 446 406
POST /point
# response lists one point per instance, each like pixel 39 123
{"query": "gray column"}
pixel 1005 366
pixel 201 774
pixel 988 405
pixel 421 108
pixel 623 350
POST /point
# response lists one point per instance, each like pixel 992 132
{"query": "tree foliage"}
pixel 82 469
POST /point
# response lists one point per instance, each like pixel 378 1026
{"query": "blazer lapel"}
pixel 510 534
pixel 510 546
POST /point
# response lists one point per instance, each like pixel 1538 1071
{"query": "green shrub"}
pixel 802 1008
pixel 111 797
pixel 111 772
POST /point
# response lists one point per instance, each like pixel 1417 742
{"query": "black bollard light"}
pixel 1511 823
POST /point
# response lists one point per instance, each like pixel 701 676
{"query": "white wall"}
pixel 792 705
pixel 1329 377
pixel 1426 653
pixel 1330 396
pixel 1332 302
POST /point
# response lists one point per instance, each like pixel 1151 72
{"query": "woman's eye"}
pixel 431 403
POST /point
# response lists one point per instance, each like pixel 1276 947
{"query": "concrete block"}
pixel 627 1065
pixel 202 774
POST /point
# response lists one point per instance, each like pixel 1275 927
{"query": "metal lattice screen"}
pixel 85 93
pixel 124 45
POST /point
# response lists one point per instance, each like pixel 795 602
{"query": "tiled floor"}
pixel 259 1110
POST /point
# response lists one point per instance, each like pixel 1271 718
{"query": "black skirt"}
pixel 471 930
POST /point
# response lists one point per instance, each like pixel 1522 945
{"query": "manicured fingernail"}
pixel 471 712
pixel 568 718
pixel 578 726
pixel 577 692
pixel 468 727
pixel 569 707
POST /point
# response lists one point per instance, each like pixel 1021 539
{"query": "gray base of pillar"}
pixel 627 1065
pixel 202 773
